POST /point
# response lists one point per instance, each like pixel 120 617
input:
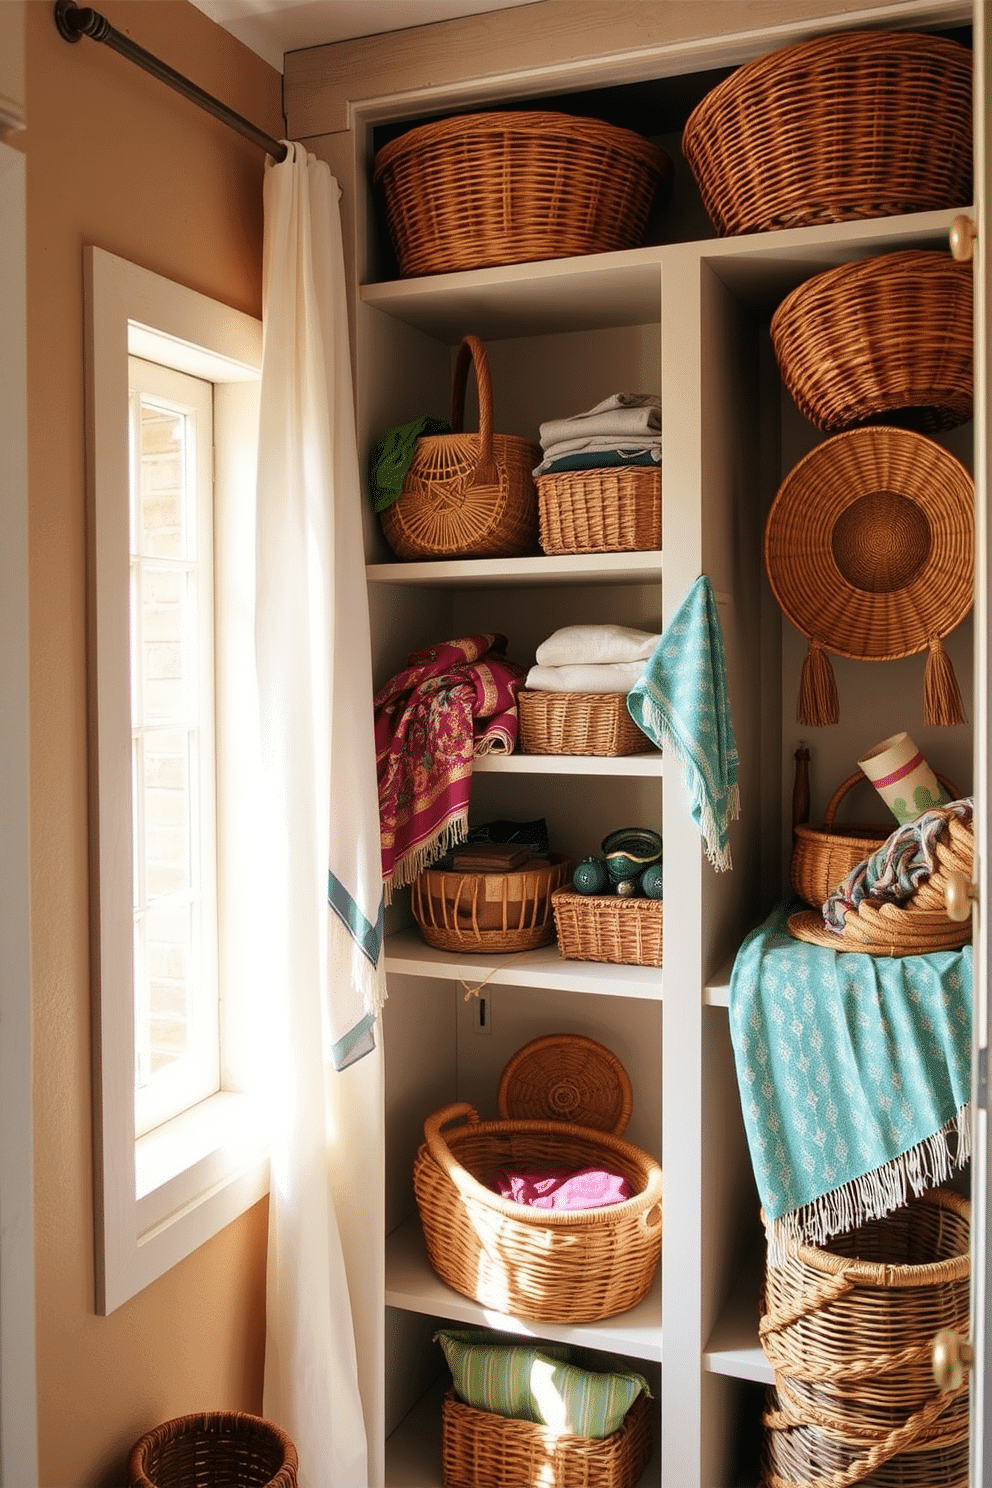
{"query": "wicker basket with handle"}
pixel 482 1450
pixel 847 126
pixel 550 1265
pixel 467 495
pixel 512 187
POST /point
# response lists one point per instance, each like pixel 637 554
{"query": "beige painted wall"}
pixel 116 159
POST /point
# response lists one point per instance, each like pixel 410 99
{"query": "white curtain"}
pixel 319 814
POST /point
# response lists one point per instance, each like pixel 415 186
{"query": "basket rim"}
pixel 885 1273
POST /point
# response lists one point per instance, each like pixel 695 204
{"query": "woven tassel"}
pixel 818 704
pixel 941 697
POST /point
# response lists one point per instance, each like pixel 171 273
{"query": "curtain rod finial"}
pixel 74 21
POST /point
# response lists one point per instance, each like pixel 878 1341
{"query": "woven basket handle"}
pixel 472 350
pixel 852 781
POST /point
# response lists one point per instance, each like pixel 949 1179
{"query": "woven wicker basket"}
pixel 216 1450
pixel 481 1450
pixel 915 928
pixel 849 126
pixel 887 339
pixel 500 188
pixel 548 1265
pixel 607 927
pixel 823 855
pixel 578 723
pixel 600 511
pixel 467 495
pixel 848 1331
pixel 488 912
pixel 566 1077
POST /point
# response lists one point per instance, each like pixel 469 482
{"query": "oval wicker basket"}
pixel 215 1447
pixel 600 511
pixel 578 723
pixel 823 855
pixel 508 187
pixel 848 126
pixel 848 1330
pixel 550 1265
pixel 488 912
pixel 915 928
pixel 467 495
pixel 566 1077
pixel 885 339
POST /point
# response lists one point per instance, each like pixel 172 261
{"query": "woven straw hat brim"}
pixel 904 934
pixel 869 543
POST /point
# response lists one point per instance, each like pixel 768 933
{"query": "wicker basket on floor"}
pixel 546 1265
pixel 482 1450
pixel 600 511
pixel 218 1449
pixel 512 187
pixel 488 912
pixel 607 927
pixel 848 1329
pixel 848 126
pixel 885 340
pixel 578 723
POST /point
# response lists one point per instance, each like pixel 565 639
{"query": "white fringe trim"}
pixel 367 980
pixel 413 863
pixel 931 1162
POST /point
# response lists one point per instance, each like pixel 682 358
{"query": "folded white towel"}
pixel 620 677
pixel 574 645
pixel 623 415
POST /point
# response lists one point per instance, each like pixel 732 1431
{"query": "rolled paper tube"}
pixel 902 777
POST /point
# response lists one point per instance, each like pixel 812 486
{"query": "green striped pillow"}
pixel 537 1382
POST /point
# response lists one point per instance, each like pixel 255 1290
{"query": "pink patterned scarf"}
pixel 453 701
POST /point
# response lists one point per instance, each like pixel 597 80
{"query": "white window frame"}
pixel 160 1196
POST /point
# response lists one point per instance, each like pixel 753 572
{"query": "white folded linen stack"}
pixel 623 429
pixel 591 658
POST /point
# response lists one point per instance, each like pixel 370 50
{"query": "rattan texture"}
pixel 566 1077
pixel 883 340
pixel 545 1265
pixel 848 126
pixel 823 855
pixel 482 1450
pixel 869 545
pixel 217 1449
pixel 848 1330
pixel 508 187
pixel 578 723
pixel 467 495
pixel 915 928
pixel 488 912
pixel 609 927
pixel 615 510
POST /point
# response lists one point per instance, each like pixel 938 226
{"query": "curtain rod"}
pixel 75 21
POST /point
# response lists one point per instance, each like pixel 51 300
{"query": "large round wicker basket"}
pixel 848 1330
pixel 885 339
pixel 549 1265
pixel 216 1449
pixel 848 126
pixel 467 495
pixel 511 187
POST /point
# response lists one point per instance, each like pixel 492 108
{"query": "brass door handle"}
pixel 962 236
pixel 959 895
pixel 950 1355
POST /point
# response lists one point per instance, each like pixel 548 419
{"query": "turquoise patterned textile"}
pixel 854 1073
pixel 681 703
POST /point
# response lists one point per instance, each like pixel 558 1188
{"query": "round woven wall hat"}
pixel 869 550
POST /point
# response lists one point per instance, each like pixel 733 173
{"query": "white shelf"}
pixel 627 765
pixel 408 955
pixel 716 993
pixel 734 1348
pixel 489 573
pixel 413 1286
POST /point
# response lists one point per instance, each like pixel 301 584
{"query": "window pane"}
pixel 166 643
pixel 164 1000
pixel 164 526
pixel 167 813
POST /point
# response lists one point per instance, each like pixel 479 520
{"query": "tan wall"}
pixel 116 159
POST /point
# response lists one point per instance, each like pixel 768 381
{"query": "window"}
pixel 172 429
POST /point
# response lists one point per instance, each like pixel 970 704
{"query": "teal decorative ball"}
pixel 590 876
pixel 652 882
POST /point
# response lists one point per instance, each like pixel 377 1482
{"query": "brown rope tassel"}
pixel 818 704
pixel 941 697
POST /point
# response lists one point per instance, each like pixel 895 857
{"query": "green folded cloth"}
pixel 392 457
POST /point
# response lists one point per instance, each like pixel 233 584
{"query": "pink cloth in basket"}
pixel 556 1188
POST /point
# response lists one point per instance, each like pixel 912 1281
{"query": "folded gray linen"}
pixel 621 416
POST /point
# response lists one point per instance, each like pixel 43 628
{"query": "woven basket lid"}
pixel 566 1077
pixel 869 544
